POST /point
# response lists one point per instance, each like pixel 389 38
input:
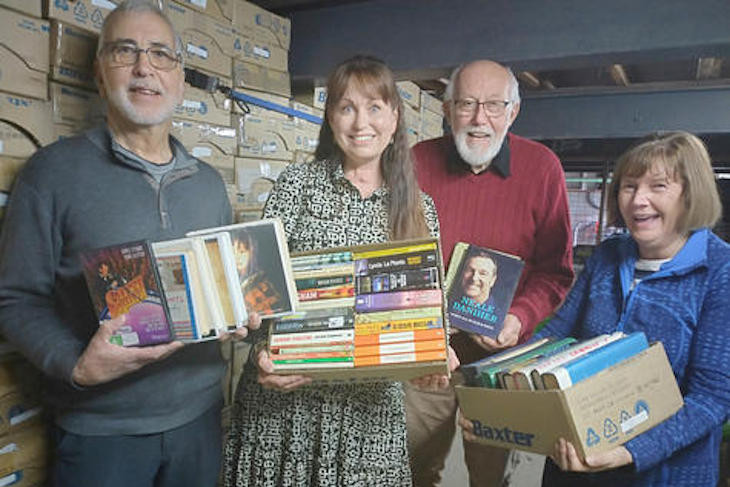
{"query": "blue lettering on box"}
pixel 203 108
pixel 609 428
pixel 640 406
pixel 80 11
pixel 62 4
pixel 97 18
pixel 504 434
pixel 592 438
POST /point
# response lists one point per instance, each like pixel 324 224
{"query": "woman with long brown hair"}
pixel 360 189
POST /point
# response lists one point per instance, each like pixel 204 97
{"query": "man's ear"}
pixel 513 113
pixel 98 79
pixel 446 107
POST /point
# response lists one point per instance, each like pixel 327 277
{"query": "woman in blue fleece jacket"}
pixel 670 278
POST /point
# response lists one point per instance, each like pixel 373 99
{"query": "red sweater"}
pixel 519 206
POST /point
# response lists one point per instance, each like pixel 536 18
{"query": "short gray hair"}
pixel 139 6
pixel 514 86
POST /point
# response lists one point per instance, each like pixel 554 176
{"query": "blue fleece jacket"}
pixel 686 306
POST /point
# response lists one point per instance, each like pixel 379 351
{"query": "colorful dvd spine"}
pixel 426 278
pixel 397 300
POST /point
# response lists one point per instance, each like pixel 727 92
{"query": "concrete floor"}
pixel 528 474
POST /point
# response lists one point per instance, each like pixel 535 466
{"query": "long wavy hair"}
pixel 405 213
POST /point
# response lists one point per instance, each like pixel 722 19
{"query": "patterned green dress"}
pixel 343 435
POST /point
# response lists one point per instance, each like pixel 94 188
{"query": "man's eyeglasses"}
pixel 127 54
pixel 493 108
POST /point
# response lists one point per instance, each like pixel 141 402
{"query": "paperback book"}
pixel 123 281
pixel 482 283
pixel 394 302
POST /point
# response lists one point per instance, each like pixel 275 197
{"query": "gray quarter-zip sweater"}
pixel 82 193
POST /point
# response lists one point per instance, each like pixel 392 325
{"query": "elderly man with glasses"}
pixel 497 190
pixel 123 416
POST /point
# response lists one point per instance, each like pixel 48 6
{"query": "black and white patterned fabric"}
pixel 340 435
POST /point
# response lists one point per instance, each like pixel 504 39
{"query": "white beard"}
pixel 119 99
pixel 477 156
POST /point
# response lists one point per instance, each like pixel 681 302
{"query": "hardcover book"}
pixel 595 361
pixel 481 289
pixel 261 259
pixel 123 280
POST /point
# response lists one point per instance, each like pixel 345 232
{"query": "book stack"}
pixel 361 307
pixel 553 364
pixel 398 305
pixel 194 288
pixel 321 333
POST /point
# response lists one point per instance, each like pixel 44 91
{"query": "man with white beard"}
pixel 123 416
pixel 498 190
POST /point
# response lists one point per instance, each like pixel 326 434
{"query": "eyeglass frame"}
pixel 478 104
pixel 176 55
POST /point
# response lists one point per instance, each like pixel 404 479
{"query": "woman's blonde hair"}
pixel 686 160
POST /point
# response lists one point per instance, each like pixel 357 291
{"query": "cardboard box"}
pixel 250 171
pixel 202 106
pixel 72 55
pixel 75 106
pixel 431 124
pixel 29 7
pixel 15 143
pixel 213 155
pixel 261 25
pixel 262 137
pixel 23 457
pixel 30 115
pixel 378 373
pixel 431 103
pixel 262 54
pixel 320 97
pixel 255 77
pixel 208 43
pixel 9 168
pixel 192 134
pixel 87 14
pixel 596 414
pixel 219 9
pixel 410 93
pixel 24 54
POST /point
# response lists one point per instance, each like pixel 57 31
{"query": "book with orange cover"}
pixel 399 347
pixel 406 336
pixel 399 358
